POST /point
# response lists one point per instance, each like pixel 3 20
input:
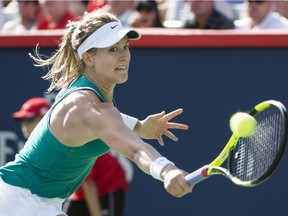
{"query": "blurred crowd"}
pixel 21 15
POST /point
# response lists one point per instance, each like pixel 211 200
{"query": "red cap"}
pixel 31 108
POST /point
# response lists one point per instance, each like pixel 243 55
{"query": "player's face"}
pixel 111 64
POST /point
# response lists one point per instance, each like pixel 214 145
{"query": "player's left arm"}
pixel 157 125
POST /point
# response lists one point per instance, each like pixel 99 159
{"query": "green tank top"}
pixel 47 167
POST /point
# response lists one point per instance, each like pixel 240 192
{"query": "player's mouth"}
pixel 124 67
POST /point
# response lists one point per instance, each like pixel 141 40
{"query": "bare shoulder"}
pixel 82 102
pixel 80 117
pixel 89 104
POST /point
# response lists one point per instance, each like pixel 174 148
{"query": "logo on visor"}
pixel 112 27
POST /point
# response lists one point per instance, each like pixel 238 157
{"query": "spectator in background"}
pixel 2 18
pixel 146 15
pixel 103 191
pixel 78 7
pixel 261 15
pixel 9 10
pixel 122 9
pixel 31 113
pixel 56 15
pixel 205 16
pixel 282 8
pixel 225 8
pixel 95 4
pixel 29 12
pixel 176 12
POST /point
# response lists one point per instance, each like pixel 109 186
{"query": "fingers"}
pixel 167 117
pixel 183 188
pixel 171 136
pixel 172 125
pixel 180 191
pixel 160 141
pixel 157 115
pixel 173 114
pixel 177 186
pixel 157 125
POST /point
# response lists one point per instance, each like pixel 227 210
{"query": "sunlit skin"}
pixel 108 67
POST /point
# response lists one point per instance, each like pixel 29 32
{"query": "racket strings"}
pixel 253 157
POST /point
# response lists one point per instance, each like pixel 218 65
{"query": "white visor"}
pixel 106 36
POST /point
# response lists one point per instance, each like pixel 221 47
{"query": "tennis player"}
pixel 84 123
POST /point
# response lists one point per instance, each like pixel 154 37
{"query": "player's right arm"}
pixel 121 139
pixel 83 117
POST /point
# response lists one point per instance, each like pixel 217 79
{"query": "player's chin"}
pixel 122 77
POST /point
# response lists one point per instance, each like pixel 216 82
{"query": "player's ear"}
pixel 87 58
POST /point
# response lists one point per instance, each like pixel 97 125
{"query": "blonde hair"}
pixel 66 64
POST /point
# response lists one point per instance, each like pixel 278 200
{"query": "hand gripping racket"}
pixel 253 159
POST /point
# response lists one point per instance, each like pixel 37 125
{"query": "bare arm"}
pixel 95 119
pixel 91 198
pixel 140 152
pixel 143 154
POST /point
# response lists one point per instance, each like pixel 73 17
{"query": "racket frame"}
pixel 214 167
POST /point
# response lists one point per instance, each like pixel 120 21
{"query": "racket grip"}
pixel 197 176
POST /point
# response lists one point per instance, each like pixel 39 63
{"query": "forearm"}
pixel 151 162
pixel 91 198
pixel 144 156
pixel 124 141
pixel 140 152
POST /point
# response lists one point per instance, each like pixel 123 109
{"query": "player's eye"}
pixel 114 49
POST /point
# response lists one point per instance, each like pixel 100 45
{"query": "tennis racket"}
pixel 251 160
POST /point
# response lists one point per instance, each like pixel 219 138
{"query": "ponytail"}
pixel 65 63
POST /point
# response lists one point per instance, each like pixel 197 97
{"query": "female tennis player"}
pixel 84 123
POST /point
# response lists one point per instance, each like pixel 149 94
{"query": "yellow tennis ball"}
pixel 242 124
